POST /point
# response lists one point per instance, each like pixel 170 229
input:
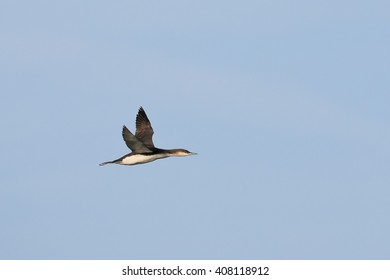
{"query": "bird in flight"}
pixel 141 144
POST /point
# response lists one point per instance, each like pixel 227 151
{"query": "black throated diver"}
pixel 141 144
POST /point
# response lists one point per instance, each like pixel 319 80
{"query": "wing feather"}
pixel 144 131
pixel 133 142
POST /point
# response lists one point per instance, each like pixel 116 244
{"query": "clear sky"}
pixel 285 102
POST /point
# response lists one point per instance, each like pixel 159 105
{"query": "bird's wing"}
pixel 144 131
pixel 133 143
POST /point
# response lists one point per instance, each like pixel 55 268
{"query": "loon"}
pixel 141 144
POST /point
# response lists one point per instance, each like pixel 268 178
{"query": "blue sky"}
pixel 285 102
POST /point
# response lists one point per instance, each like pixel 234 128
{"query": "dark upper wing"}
pixel 132 142
pixel 144 131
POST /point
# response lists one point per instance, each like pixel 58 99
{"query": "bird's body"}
pixel 141 144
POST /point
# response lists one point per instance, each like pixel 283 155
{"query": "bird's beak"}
pixel 192 154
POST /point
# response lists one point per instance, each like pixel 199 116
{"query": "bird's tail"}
pixel 104 163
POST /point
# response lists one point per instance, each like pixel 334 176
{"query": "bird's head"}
pixel 181 153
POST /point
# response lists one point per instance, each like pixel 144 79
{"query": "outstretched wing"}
pixel 133 142
pixel 144 131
